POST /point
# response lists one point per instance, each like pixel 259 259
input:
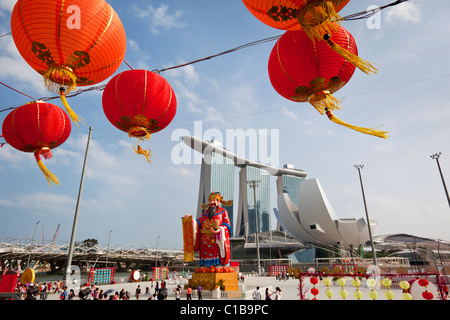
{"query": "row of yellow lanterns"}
pixel 371 283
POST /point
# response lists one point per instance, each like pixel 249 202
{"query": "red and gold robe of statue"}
pixel 213 248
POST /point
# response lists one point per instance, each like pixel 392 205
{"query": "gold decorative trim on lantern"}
pixel 318 18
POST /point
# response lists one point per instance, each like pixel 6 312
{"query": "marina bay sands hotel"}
pixel 302 208
pixel 218 174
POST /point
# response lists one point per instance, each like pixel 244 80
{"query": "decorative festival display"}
pixel 101 275
pixel 302 70
pixel 210 236
pixel 188 238
pixel 134 276
pixel 37 127
pixel 27 276
pixel 277 269
pixel 160 273
pixel 70 43
pixel 312 16
pixel 141 103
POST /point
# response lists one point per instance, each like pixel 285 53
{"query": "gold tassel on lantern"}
pixel 53 76
pixel 318 18
pixel 373 132
pixel 46 153
pixel 358 62
pixel 324 100
pixel 69 110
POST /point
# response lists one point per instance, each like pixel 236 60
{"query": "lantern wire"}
pixel 221 53
pixel 368 13
pixel 355 16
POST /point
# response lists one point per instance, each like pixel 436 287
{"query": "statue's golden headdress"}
pixel 218 196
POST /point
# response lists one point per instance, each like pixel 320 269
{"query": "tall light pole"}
pixel 359 167
pixel 109 237
pixel 75 219
pixel 32 240
pixel 156 252
pixel 436 156
pixel 253 184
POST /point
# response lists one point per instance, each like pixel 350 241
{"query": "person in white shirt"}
pixel 278 293
pixel 256 294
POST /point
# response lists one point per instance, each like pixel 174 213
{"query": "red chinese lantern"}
pixel 70 43
pixel 313 16
pixel 303 70
pixel 423 282
pixel 37 127
pixel 139 102
pixel 427 295
pixel 315 292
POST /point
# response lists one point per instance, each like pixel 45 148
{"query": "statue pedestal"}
pixel 208 281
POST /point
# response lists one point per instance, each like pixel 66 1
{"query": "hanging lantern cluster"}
pixel 141 103
pixel 37 127
pixel 341 283
pixel 371 283
pixel 315 57
pixel 70 43
pixel 357 283
pixel 387 282
pixel 80 43
pixel 328 292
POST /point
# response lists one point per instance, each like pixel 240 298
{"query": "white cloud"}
pixel 161 18
pixel 407 12
pixel 42 203
pixel 289 113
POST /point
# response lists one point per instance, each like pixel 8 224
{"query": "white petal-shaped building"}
pixel 314 220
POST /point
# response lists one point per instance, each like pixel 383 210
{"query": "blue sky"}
pixel 141 201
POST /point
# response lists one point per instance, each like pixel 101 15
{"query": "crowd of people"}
pixel 40 291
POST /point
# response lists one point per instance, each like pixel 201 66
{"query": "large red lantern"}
pixel 70 43
pixel 313 16
pixel 302 70
pixel 139 102
pixel 37 127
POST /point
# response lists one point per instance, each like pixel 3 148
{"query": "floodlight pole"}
pixel 107 255
pixel 436 156
pixel 253 184
pixel 359 167
pixel 75 220
pixel 156 252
